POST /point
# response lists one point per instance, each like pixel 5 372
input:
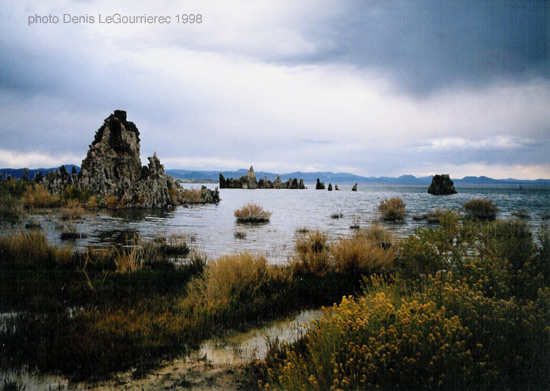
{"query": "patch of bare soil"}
pixel 181 375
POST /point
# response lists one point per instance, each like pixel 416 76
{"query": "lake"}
pixel 215 232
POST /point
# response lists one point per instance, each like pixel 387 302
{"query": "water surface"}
pixel 215 231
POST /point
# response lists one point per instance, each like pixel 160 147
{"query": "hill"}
pixel 308 177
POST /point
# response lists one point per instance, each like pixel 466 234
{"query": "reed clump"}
pixel 252 213
pixel 392 209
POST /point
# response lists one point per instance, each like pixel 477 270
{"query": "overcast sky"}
pixel 374 88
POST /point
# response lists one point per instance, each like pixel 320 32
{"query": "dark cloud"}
pixel 429 45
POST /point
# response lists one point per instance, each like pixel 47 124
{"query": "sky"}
pixel 373 87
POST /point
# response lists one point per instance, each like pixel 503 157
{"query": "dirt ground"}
pixel 181 375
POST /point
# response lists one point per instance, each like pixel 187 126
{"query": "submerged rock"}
pixel 442 185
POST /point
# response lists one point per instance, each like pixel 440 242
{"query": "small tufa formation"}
pixel 249 181
pixel 112 171
pixel 354 188
pixel 442 185
pixel 56 181
pixel 319 185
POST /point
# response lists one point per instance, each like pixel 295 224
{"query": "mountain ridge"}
pixel 308 177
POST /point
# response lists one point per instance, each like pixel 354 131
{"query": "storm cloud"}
pixel 372 88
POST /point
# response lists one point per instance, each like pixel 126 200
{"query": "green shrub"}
pixel 481 208
pixel 75 193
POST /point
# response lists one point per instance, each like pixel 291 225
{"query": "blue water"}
pixel 213 227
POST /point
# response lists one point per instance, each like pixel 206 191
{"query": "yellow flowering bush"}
pixel 468 309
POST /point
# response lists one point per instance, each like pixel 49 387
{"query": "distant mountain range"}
pixel 19 172
pixel 308 177
pixel 343 177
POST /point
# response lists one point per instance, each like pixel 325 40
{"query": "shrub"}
pixel 37 196
pixel 192 196
pixel 481 208
pixel 74 193
pixel 392 209
pixel 11 209
pixel 252 213
pixel 446 336
pixel 114 202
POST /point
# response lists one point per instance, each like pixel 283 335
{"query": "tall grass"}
pixel 135 308
pixel 29 248
pixel 237 288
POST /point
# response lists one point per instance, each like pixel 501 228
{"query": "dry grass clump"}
pixel 392 209
pixel 252 213
pixel 481 208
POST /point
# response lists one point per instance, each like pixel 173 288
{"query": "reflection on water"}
pixel 238 347
pixel 217 232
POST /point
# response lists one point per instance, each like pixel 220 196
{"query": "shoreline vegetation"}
pixel 464 304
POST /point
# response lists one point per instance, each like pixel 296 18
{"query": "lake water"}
pixel 215 231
